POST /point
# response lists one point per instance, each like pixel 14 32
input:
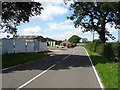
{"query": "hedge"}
pixel 108 50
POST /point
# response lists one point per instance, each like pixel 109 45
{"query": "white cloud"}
pixel 110 29
pixel 66 25
pixel 51 10
pixel 68 34
pixel 32 31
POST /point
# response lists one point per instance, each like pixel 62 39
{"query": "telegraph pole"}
pixel 93 35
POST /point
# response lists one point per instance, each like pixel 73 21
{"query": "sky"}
pixel 53 23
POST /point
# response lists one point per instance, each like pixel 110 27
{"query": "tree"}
pixel 74 39
pixel 94 16
pixel 58 42
pixel 84 40
pixel 15 13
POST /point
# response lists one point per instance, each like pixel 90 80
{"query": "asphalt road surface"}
pixel 67 69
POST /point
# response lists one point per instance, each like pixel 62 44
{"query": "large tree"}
pixel 74 39
pixel 94 16
pixel 15 13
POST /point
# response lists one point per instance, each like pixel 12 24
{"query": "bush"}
pixel 100 49
pixel 108 51
pixel 105 50
pixel 74 44
pixel 88 45
pixel 116 49
pixel 92 46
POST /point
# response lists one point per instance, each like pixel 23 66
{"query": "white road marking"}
pixel 34 78
pixel 69 55
pixel 98 78
pixel 66 57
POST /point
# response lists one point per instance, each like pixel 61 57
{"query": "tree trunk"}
pixel 102 33
pixel 102 37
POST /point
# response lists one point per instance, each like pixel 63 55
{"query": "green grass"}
pixel 19 58
pixel 107 70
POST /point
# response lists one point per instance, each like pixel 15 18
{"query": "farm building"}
pixel 66 44
pixel 23 44
pixel 51 42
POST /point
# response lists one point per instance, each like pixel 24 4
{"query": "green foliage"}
pixel 107 70
pixel 116 49
pixel 9 60
pixel 108 50
pixel 74 39
pixel 15 13
pixel 100 49
pixel 97 41
pixel 105 50
pixel 92 46
pixel 84 40
pixel 94 16
pixel 74 44
pixel 58 42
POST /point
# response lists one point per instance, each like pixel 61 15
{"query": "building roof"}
pixel 66 42
pixel 32 38
pixel 40 38
pixel 49 39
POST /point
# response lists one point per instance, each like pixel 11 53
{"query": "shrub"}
pixel 108 51
pixel 88 46
pixel 100 49
pixel 116 49
pixel 92 46
pixel 105 50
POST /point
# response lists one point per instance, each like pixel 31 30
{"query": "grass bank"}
pixel 9 60
pixel 107 70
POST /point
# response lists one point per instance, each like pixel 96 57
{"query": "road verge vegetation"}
pixel 9 60
pixel 103 57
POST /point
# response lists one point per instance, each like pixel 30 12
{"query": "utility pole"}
pixel 93 35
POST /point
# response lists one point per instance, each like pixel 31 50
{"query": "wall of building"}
pixel 51 43
pixel 19 46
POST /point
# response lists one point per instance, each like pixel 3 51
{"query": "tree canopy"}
pixel 74 39
pixel 15 13
pixel 84 40
pixel 94 16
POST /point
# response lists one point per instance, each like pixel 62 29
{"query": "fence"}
pixel 19 46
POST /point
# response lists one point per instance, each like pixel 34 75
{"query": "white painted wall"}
pixel 7 46
pixel 36 46
pixel 20 46
pixel 30 47
pixel 43 46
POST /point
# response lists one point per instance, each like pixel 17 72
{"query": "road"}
pixel 67 69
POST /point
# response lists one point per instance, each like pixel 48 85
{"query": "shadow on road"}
pixel 73 61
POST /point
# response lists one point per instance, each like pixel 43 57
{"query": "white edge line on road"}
pixel 34 78
pixel 98 78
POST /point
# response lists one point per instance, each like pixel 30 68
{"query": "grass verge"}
pixel 107 70
pixel 9 60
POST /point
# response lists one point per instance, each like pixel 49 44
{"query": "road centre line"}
pixel 34 78
pixel 69 55
pixel 65 57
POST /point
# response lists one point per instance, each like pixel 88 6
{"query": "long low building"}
pixel 23 44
